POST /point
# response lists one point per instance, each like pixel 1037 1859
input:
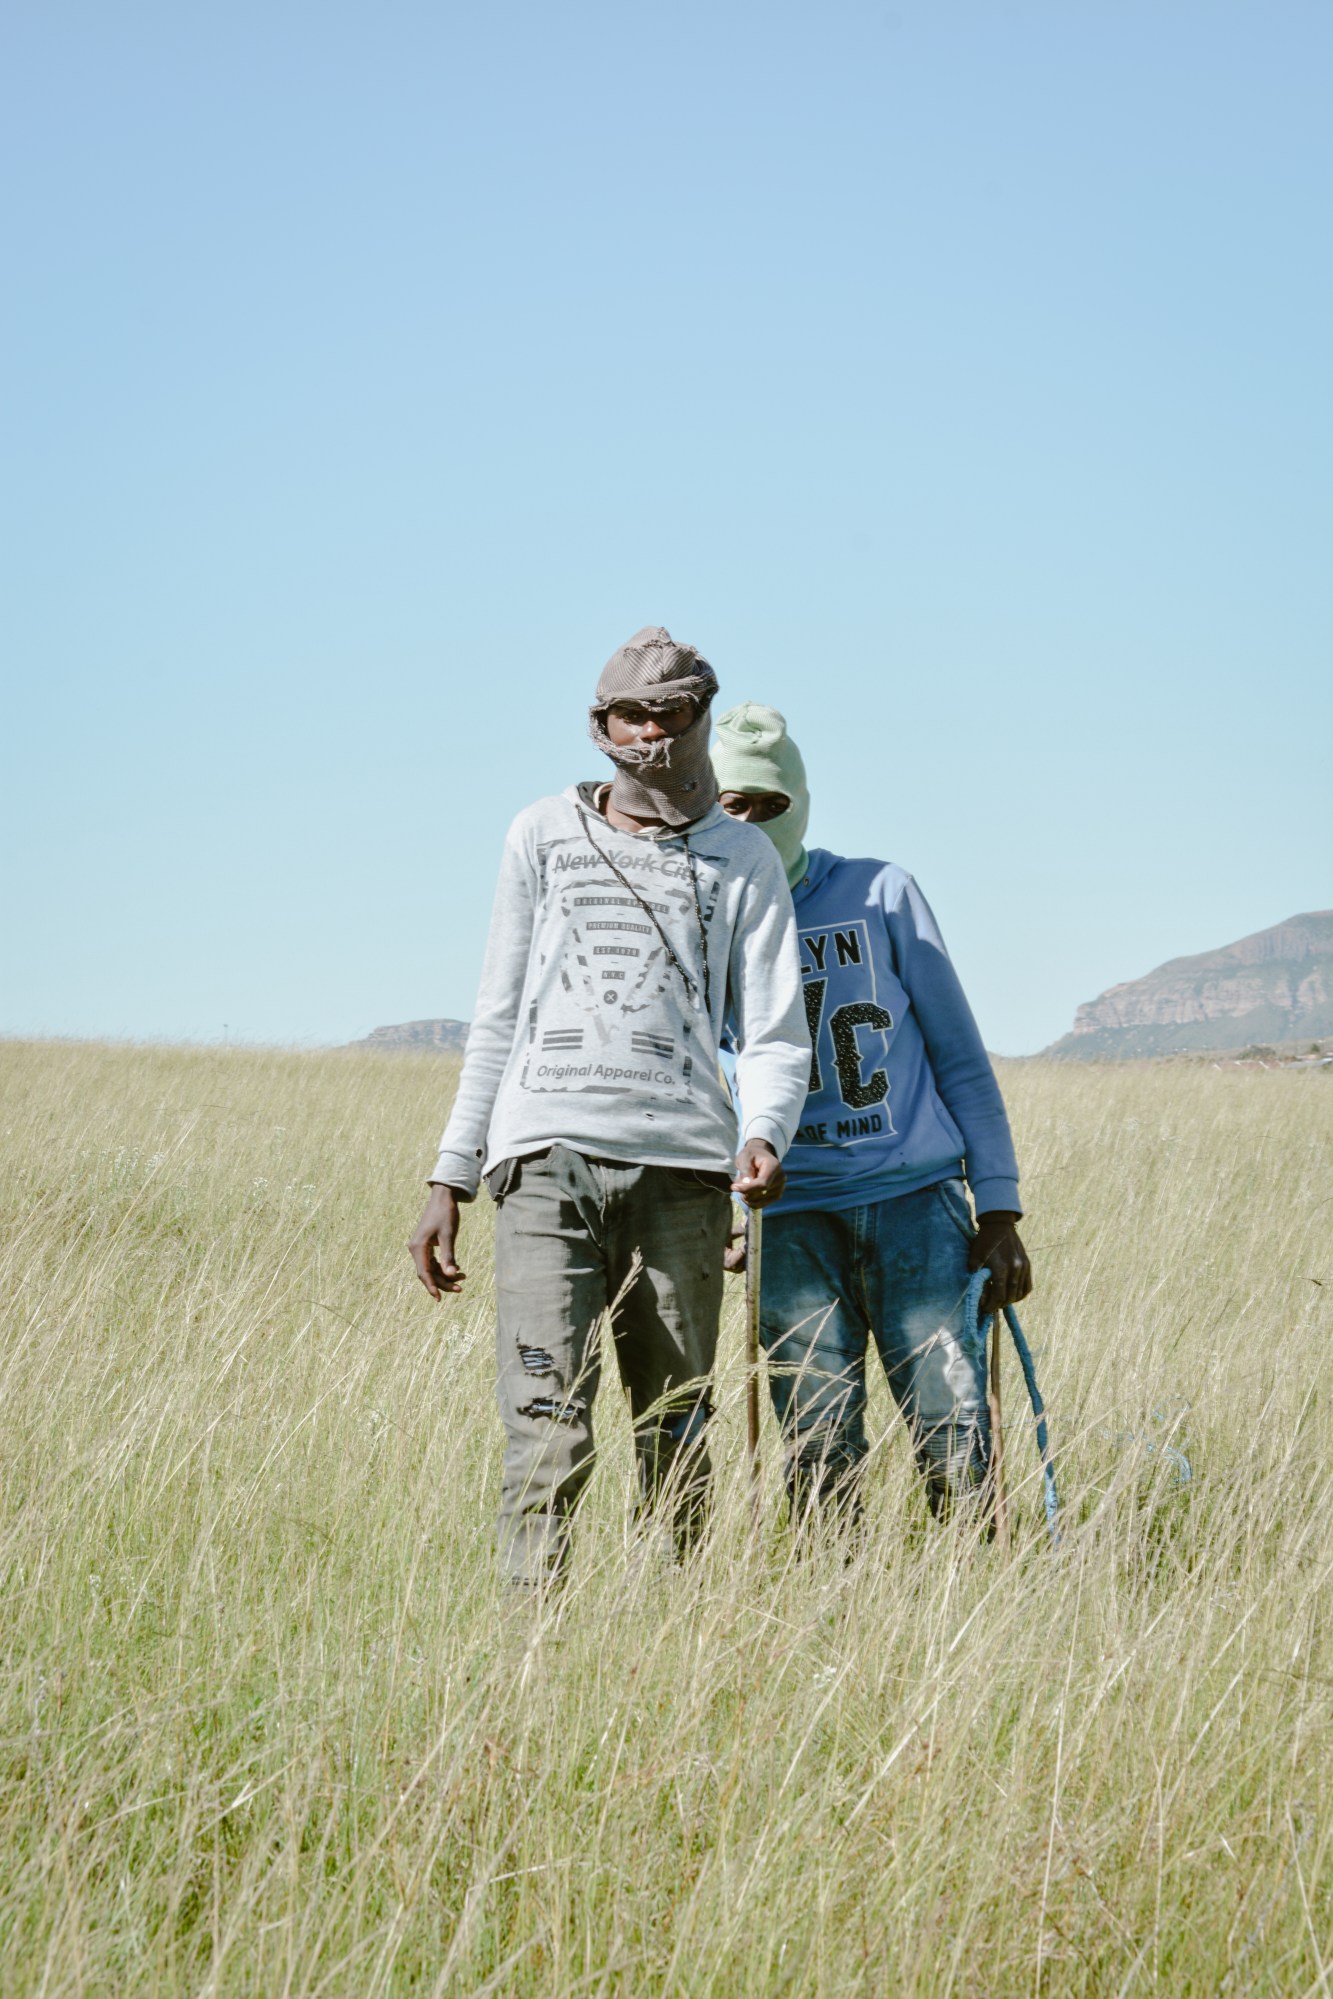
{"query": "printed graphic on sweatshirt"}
pixel 615 1010
pixel 849 1032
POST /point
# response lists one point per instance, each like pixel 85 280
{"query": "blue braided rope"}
pixel 972 1317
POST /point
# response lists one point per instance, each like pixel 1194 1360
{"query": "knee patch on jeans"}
pixel 953 1462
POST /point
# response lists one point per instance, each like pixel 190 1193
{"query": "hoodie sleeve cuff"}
pixel 996 1193
pixel 769 1130
pixel 460 1170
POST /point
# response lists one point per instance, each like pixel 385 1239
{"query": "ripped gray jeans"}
pixel 567 1235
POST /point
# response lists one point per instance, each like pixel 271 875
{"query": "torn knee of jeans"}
pixel 952 1458
pixel 825 1474
pixel 554 1408
pixel 826 1451
pixel 535 1360
pixel 689 1425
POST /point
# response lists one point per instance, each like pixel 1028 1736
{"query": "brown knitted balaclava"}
pixel 671 780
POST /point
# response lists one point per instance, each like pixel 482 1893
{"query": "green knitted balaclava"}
pixel 753 752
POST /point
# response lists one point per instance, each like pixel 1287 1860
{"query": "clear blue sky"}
pixel 956 375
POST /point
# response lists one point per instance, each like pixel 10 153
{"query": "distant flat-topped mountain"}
pixel 1276 986
pixel 450 1036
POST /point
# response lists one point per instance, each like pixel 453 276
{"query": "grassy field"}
pixel 269 1726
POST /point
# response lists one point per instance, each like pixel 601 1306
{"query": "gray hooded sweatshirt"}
pixel 614 962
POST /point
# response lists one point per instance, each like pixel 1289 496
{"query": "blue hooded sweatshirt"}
pixel 902 1093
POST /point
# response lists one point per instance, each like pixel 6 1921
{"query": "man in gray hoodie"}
pixel 633 922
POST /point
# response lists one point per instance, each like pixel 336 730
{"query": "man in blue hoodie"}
pixel 874 1235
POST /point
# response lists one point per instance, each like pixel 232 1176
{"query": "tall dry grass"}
pixel 270 1727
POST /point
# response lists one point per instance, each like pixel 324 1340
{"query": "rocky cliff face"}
pixel 1275 986
pixel 448 1035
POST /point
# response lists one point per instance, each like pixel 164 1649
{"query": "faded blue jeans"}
pixel 896 1271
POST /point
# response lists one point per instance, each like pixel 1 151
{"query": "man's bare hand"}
pixel 759 1175
pixel 733 1256
pixel 997 1245
pixel 433 1240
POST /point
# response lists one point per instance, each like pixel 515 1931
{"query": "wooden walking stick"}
pixel 999 1497
pixel 754 1237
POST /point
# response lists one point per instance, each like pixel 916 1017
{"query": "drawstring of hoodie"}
pixel 691 987
pixel 699 919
